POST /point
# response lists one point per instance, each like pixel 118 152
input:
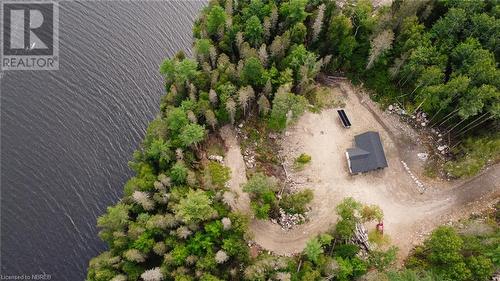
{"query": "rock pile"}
pixel 249 157
pixel 423 156
pixel 419 184
pixel 240 132
pixel 216 158
pixel 395 108
pixel 443 149
pixel 287 221
pixel 420 121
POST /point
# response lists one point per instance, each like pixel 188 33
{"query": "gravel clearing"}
pixel 410 213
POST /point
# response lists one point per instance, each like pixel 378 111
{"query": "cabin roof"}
pixel 368 153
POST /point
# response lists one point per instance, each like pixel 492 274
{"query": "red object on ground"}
pixel 380 227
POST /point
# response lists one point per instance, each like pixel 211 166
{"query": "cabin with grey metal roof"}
pixel 367 154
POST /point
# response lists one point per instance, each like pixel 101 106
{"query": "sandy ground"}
pixel 408 213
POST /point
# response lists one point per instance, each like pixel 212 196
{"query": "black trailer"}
pixel 343 118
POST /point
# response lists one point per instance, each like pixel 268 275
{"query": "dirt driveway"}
pixel 234 160
pixel 408 212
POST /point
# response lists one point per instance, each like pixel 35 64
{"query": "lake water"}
pixel 67 135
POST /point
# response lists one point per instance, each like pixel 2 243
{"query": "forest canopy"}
pixel 262 57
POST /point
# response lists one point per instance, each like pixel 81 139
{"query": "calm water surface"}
pixel 67 135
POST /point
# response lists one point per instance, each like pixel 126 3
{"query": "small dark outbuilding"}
pixel 367 155
pixel 343 118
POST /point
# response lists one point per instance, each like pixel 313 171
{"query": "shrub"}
pixel 261 189
pixel 346 250
pixel 261 211
pixel 296 203
pixel 480 267
pixel 378 238
pixel 371 212
pixel 348 208
pixel 301 161
pixel 444 246
pixel 383 259
pixel 313 250
pixel 259 184
pixel 345 269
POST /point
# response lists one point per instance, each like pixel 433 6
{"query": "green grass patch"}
pixel 378 238
pixel 217 175
pixel 215 148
